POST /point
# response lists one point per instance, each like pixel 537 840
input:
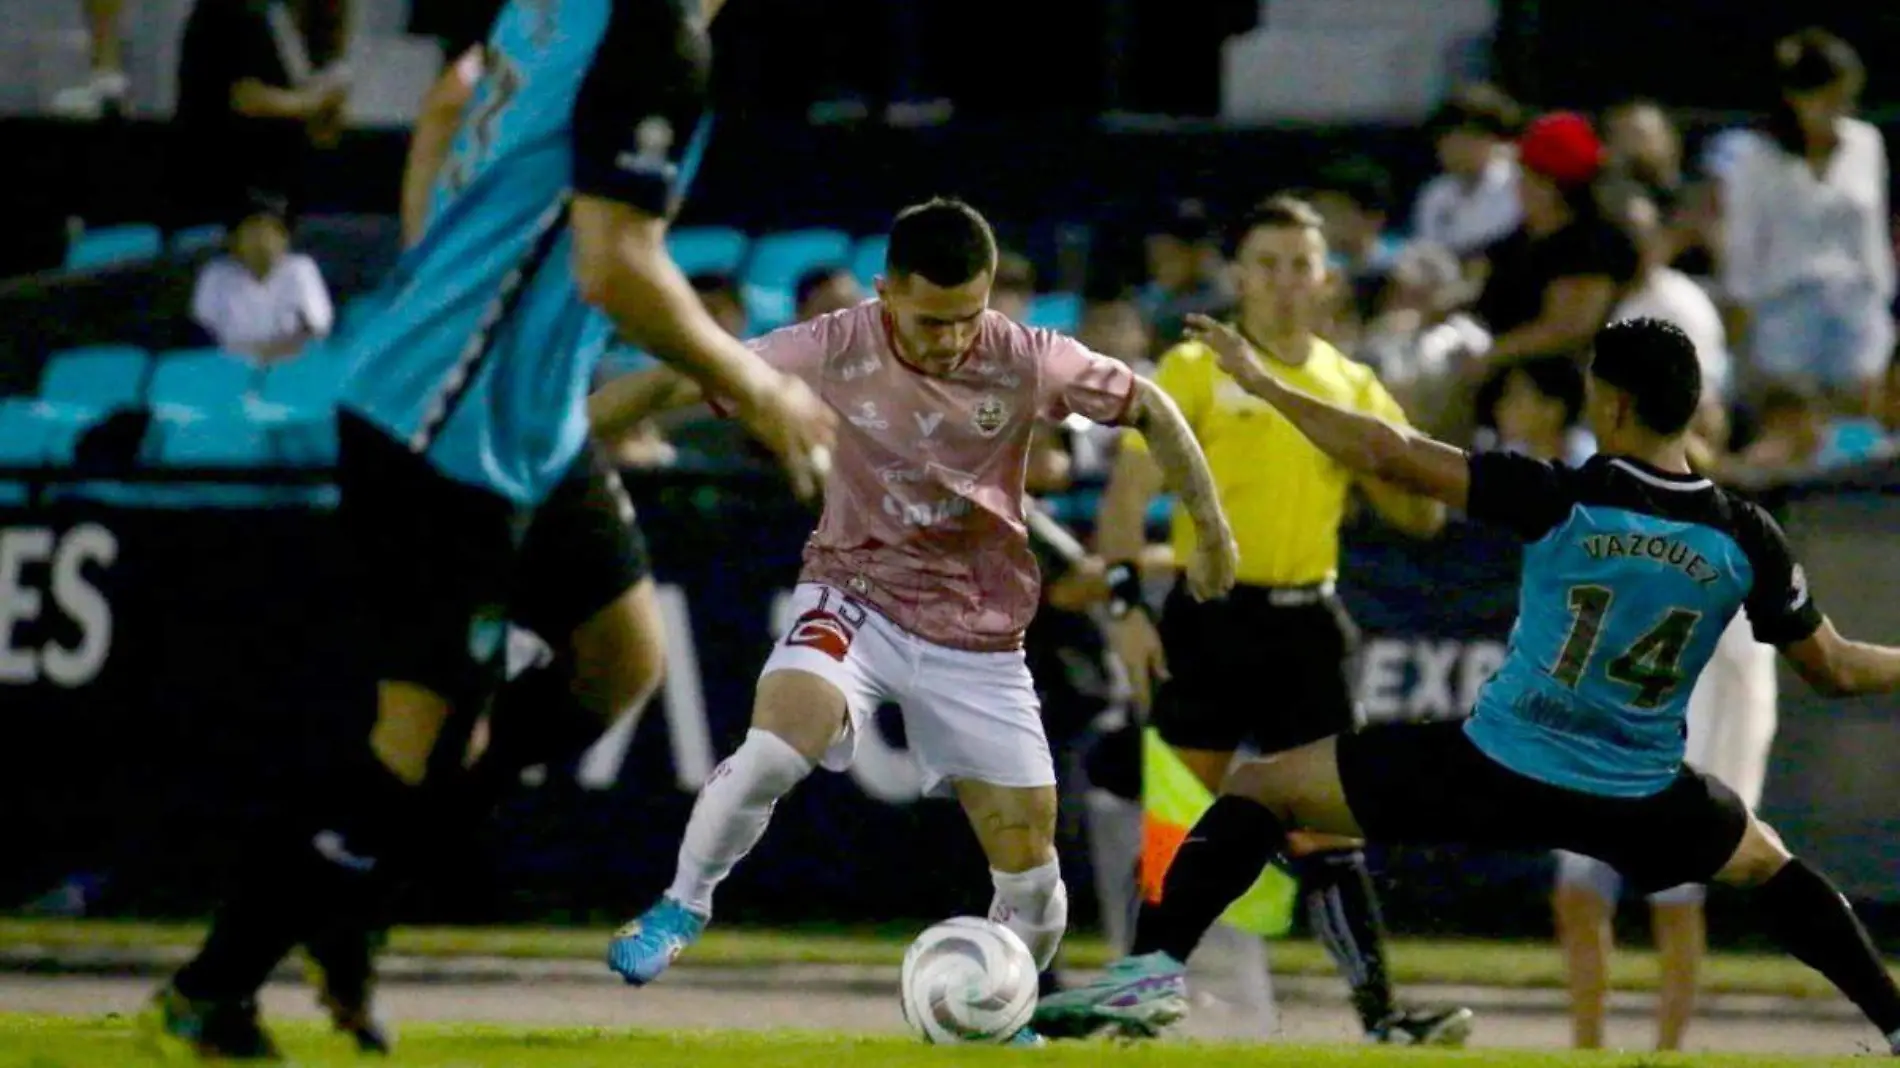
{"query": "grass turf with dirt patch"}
pixel 1519 965
pixel 64 1042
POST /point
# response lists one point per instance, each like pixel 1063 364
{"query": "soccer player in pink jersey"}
pixel 919 581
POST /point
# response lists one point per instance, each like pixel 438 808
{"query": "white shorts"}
pixel 1731 727
pixel 1732 712
pixel 967 715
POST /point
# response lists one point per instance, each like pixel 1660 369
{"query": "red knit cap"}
pixel 1562 147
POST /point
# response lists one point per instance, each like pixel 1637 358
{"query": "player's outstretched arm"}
pixel 433 137
pixel 1371 447
pixel 1840 667
pixel 1183 465
pixel 623 268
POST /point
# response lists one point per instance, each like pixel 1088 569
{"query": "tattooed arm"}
pixel 1367 446
pixel 1184 470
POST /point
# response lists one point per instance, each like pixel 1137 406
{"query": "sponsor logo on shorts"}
pixel 820 630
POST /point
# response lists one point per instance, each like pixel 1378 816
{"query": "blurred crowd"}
pixel 1475 303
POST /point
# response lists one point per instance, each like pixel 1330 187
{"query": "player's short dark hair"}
pixel 943 241
pixel 1655 363
pixel 1482 108
pixel 812 281
pixel 1282 211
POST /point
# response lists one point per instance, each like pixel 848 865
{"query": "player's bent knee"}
pixel 1016 826
pixel 620 655
pixel 1300 787
pixel 1757 859
pixel 805 710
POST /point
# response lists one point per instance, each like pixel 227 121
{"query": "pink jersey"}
pixel 924 507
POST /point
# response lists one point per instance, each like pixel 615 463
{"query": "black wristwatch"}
pixel 1124 591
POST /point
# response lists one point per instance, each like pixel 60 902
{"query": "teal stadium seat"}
pixel 22 444
pixel 310 383
pixel 36 434
pixel 778 260
pixel 199 380
pixel 296 405
pixel 95 377
pixel 708 249
pixel 197 239
pixel 768 309
pixel 224 440
pixel 867 260
pixel 114 246
pixel 1055 311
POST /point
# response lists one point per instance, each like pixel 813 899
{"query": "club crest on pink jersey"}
pixel 989 416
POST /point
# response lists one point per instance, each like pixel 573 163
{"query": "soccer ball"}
pixel 968 980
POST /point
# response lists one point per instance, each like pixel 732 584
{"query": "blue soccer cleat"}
pixel 1027 1038
pixel 178 1028
pixel 644 948
pixel 1137 998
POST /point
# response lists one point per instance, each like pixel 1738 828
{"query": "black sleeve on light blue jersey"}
pixel 1780 608
pixel 1525 496
pixel 641 103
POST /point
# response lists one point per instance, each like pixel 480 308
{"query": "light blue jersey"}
pixel 1630 577
pixel 483 353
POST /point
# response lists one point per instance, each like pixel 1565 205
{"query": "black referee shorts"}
pixel 1427 784
pixel 1249 671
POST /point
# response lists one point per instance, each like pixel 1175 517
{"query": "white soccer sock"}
pixel 730 816
pixel 1035 905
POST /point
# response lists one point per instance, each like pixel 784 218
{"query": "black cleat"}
pixel 341 966
pixel 182 1028
pixel 1424 1027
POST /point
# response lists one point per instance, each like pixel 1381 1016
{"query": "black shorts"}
pixel 1245 670
pixel 443 567
pixel 583 549
pixel 1428 784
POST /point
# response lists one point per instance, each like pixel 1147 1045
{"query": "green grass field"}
pixel 1503 964
pixel 46 1042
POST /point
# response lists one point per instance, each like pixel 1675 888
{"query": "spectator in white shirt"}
pixel 1662 292
pixel 1808 252
pixel 1474 202
pixel 261 299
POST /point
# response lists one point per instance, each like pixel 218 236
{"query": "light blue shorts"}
pixel 1830 336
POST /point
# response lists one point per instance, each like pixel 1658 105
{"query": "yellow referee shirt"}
pixel 1284 498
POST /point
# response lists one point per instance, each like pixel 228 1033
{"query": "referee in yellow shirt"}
pixel 1267 667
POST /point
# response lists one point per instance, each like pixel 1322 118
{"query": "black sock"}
pixel 1223 855
pixel 1813 922
pixel 1344 912
pixel 338 877
pixel 250 934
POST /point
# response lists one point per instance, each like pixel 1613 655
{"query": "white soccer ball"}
pixel 968 980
